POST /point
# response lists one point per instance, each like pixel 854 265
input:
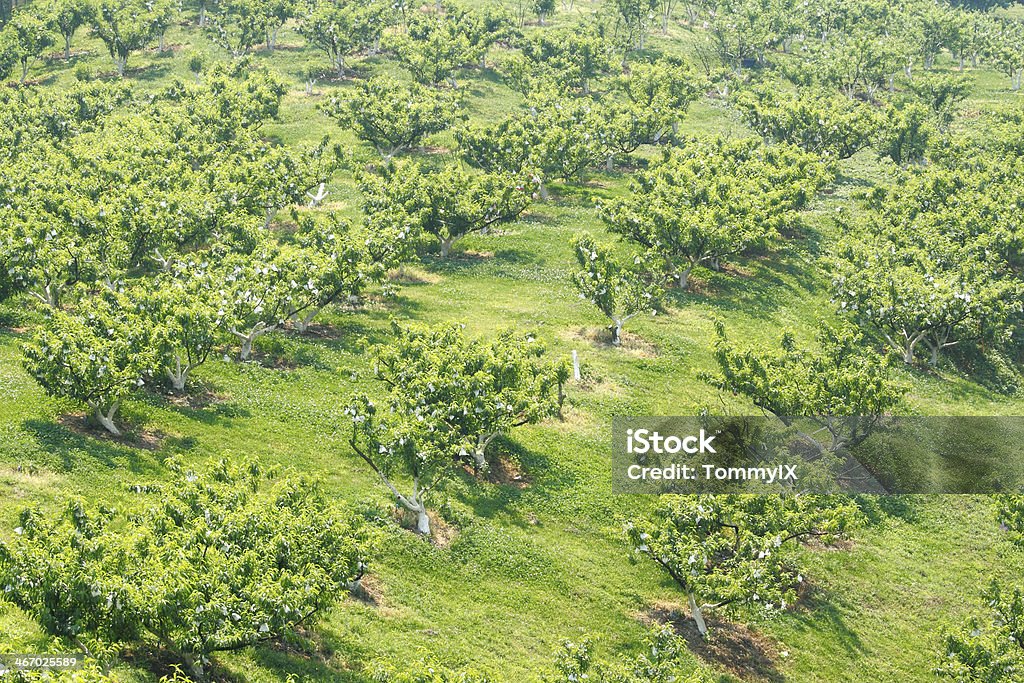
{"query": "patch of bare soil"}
pixel 369 591
pixel 507 472
pixel 631 343
pixel 410 275
pixel 474 255
pixel 80 424
pixel 196 400
pixel 743 652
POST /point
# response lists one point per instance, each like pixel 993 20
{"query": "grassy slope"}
pixel 531 565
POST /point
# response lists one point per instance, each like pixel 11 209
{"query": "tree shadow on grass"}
pixel 756 287
pixel 201 405
pixel 351 335
pixel 877 509
pixel 150 72
pixel 818 614
pixel 517 472
pixel 74 448
pixel 460 262
pixel 313 666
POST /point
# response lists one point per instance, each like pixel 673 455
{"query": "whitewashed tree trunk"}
pixel 479 453
pixel 302 322
pixel 179 374
pixel 48 296
pixel 446 246
pixel 422 522
pixel 683 279
pixel 908 345
pixel 697 614
pixel 248 338
pixel 106 419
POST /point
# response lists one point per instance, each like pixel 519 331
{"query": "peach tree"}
pixel 987 649
pixel 393 116
pixel 98 356
pixel 620 291
pixel 736 550
pixel 446 204
pixel 226 559
pixel 932 264
pixel 714 199
pixel 446 397
pixel 842 387
pixel 484 389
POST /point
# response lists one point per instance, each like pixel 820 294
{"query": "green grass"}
pixel 529 565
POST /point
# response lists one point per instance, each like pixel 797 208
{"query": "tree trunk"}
pixel 107 420
pixel 49 295
pixel 162 45
pixel 178 375
pixel 24 70
pixel 698 616
pixel 616 329
pixel 446 246
pixel 683 278
pixel 908 350
pixel 422 522
pixel 195 667
pixel 302 323
pixel 67 48
pixel 248 338
pixel 246 351
pixel 202 15
pixel 609 163
pixel 122 65
pixel 480 462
